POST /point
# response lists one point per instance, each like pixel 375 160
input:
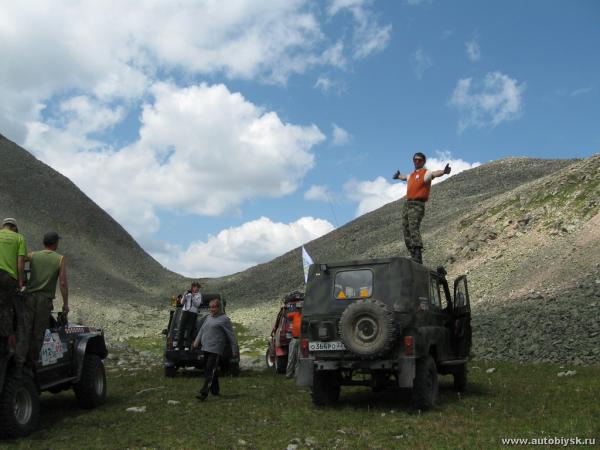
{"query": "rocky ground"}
pixel 559 326
pixel 124 360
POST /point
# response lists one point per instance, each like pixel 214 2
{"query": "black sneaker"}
pixel 201 396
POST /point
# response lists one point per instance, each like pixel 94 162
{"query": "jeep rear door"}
pixel 462 317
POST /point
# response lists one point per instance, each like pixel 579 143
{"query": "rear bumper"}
pixel 404 368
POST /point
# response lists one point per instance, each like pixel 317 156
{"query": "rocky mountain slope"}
pixel 112 279
pixel 526 231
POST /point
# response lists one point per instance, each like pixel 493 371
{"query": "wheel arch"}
pixel 93 343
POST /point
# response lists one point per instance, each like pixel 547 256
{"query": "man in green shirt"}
pixel 13 251
pixel 46 269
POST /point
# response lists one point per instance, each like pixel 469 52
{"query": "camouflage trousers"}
pixel 412 215
pixel 37 309
pixel 293 351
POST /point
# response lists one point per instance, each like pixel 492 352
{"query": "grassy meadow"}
pixel 259 410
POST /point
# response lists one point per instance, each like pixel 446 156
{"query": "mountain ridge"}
pixel 524 230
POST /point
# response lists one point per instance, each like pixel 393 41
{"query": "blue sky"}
pixel 222 134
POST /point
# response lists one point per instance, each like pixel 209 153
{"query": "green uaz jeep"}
pixel 392 321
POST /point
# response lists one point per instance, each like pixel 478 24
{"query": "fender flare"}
pixel 89 343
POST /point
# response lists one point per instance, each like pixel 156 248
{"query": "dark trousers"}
pixel 211 376
pixel 186 327
pixel 11 312
pixel 8 292
pixel 38 308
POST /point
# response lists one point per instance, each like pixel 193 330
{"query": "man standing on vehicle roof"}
pixel 215 333
pixel 189 313
pixel 13 251
pixel 417 193
pixel 47 267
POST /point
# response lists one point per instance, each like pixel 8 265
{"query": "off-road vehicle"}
pixel 276 355
pixel 71 357
pixel 193 357
pixel 383 322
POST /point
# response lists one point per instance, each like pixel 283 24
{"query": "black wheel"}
pixel 460 378
pixel 91 389
pixel 425 387
pixel 326 388
pixel 19 407
pixel 281 364
pixel 170 371
pixel 367 328
pixel 269 359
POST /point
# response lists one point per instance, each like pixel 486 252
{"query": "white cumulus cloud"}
pixel 201 150
pixel 373 194
pixel 497 98
pixel 473 50
pixel 340 136
pixel 421 62
pixel 318 192
pixel 115 50
pixel 237 248
pixel 328 85
pixel 370 36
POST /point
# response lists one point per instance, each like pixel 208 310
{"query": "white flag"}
pixel 306 262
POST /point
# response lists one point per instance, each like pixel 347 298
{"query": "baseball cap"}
pixel 10 221
pixel 51 237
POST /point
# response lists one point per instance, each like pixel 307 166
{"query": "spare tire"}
pixel 367 328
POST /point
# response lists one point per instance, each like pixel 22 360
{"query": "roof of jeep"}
pixel 364 262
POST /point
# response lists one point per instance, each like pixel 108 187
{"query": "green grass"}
pixel 267 411
pixel 152 344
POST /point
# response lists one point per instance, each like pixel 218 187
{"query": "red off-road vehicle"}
pixel 277 350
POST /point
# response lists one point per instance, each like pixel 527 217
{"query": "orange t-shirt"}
pixel 418 188
pixel 296 319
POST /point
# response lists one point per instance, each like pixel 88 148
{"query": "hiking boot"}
pixel 201 396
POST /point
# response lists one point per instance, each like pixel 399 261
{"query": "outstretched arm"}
pixel 445 171
pixel 399 176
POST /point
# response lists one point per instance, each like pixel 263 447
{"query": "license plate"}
pixel 326 346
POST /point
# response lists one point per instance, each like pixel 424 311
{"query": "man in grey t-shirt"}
pixel 216 332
